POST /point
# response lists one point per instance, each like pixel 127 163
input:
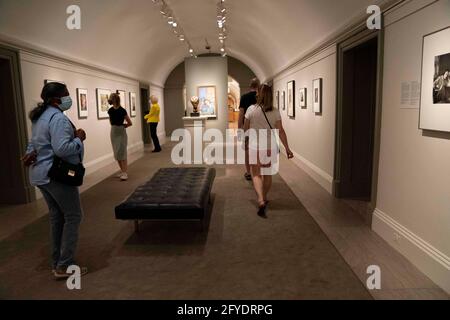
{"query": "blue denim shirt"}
pixel 53 134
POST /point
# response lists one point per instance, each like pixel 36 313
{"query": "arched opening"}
pixel 176 101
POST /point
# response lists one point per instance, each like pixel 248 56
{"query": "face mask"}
pixel 66 103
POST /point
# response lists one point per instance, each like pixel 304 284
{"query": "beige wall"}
pixel 311 136
pixel 98 150
pixel 414 173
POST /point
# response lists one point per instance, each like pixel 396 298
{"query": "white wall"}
pixel 98 150
pixel 312 137
pixel 414 173
pixel 209 71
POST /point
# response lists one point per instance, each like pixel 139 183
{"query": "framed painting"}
pixel 278 100
pixel 208 100
pixel 303 98
pixel 284 100
pixel 123 98
pixel 317 95
pixel 102 103
pixel 133 105
pixel 291 99
pixel 82 99
pixel 435 91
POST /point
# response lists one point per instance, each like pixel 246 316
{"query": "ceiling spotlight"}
pixel 191 50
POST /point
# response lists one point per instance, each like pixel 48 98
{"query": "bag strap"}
pixel 267 119
pixel 71 123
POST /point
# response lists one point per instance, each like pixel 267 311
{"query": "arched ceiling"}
pixel 132 38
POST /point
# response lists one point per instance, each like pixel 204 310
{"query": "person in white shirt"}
pixel 265 120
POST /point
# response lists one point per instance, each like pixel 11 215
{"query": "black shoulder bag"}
pixel 65 172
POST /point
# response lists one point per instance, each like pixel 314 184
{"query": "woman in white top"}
pixel 263 125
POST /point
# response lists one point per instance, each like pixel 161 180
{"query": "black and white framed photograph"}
pixel 102 103
pixel 303 99
pixel 435 92
pixel 291 99
pixel 284 100
pixel 83 105
pixel 51 81
pixel 123 98
pixel 133 105
pixel 317 95
pixel 278 100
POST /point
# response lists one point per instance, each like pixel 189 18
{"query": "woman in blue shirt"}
pixel 54 135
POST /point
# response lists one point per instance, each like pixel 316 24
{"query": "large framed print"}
pixel 208 100
pixel 278 100
pixel 133 105
pixel 83 107
pixel 284 100
pixel 303 98
pixel 291 99
pixel 123 98
pixel 102 103
pixel 435 91
pixel 317 95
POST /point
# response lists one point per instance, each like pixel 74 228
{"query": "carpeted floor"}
pixel 241 257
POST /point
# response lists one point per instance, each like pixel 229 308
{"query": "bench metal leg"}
pixel 136 226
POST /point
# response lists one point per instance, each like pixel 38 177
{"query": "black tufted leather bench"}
pixel 172 194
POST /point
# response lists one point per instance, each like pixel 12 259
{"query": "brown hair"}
pixel 114 98
pixel 265 98
pixel 255 84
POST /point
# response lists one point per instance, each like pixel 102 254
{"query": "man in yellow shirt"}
pixel 153 119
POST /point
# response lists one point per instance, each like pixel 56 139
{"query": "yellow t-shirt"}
pixel 153 116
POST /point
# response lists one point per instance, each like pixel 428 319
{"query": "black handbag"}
pixel 67 173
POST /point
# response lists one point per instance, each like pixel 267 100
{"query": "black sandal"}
pixel 248 177
pixel 262 211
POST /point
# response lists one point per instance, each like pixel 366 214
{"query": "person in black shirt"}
pixel 247 100
pixel 120 121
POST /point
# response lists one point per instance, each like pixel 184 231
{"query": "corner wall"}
pixel 98 151
pixel 312 137
pixel 413 206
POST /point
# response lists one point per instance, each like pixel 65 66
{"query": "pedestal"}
pixel 196 128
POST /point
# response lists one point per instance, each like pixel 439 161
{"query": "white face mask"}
pixel 66 103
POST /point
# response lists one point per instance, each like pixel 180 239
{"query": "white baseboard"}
pixel 432 262
pixel 320 176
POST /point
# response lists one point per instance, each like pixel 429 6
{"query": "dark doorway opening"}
pixel 14 185
pixel 145 107
pixel 357 121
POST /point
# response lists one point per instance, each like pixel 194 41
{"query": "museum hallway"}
pixel 360 205
pixel 287 256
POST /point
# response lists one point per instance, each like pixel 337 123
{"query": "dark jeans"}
pixel 65 217
pixel 154 134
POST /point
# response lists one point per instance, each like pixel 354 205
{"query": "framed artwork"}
pixel 123 98
pixel 278 99
pixel 303 98
pixel 208 101
pixel 317 95
pixel 50 81
pixel 435 91
pixel 284 100
pixel 291 99
pixel 102 103
pixel 82 98
pixel 133 105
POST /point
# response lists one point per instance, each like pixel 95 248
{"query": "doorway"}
pixel 14 185
pixel 145 107
pixel 358 122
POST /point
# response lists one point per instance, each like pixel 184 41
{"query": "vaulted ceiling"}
pixel 132 38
